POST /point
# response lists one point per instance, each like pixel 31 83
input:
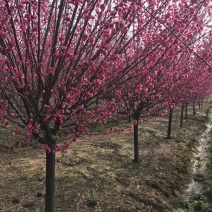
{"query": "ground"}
pixel 97 173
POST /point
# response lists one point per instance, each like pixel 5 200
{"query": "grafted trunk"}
pixel 181 117
pixel 170 123
pixel 136 152
pixel 194 109
pixel 136 147
pixel 50 176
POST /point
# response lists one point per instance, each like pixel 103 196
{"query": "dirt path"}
pixel 97 173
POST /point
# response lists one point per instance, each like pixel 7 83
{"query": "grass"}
pixel 97 173
pixel 91 202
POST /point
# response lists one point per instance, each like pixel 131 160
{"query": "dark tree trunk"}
pixel 136 149
pixel 181 117
pixel 194 109
pixel 170 123
pixel 186 111
pixel 50 177
pixel 97 101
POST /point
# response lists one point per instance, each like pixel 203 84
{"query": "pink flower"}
pixel 13 115
pixel 135 122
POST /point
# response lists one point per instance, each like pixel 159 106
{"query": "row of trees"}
pixel 58 58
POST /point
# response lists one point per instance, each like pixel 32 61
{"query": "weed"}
pixel 24 176
pixel 97 209
pixel 185 204
pixel 199 202
pixel 179 139
pixel 91 202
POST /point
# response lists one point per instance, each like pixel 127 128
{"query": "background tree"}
pixel 161 47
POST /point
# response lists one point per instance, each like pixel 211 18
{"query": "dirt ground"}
pixel 97 173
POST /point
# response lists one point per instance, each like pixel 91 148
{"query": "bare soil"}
pixel 97 173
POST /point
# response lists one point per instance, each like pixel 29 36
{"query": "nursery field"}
pixel 87 93
pixel 97 172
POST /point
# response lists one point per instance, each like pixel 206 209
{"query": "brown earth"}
pixel 97 173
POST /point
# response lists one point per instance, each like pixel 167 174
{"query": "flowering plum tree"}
pixel 193 82
pixel 161 46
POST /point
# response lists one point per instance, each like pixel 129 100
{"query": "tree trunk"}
pixel 97 101
pixel 170 123
pixel 194 109
pixel 50 177
pixel 199 105
pixel 186 111
pixel 136 152
pixel 181 117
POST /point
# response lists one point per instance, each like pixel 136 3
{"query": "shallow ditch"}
pixel 195 188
